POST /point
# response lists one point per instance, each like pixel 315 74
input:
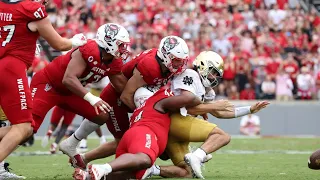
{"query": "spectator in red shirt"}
pixel 291 67
pixel 248 93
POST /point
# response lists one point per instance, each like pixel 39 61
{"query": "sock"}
pixel 102 140
pixel 1 163
pixel 83 143
pixel 200 154
pixel 61 133
pixel 86 128
pixel 156 170
pixel 108 168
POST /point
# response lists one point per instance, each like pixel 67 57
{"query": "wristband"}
pixel 241 111
pixel 92 99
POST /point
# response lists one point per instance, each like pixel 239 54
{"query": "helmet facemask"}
pixel 177 65
pixel 212 78
pixel 122 52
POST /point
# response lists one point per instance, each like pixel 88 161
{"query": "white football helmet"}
pixel 210 68
pixel 114 38
pixel 141 95
pixel 173 48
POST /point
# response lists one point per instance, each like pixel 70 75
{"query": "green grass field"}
pixel 242 159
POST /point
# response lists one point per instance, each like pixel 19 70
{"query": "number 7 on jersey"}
pixel 10 29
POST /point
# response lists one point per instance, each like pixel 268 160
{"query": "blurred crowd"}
pixel 270 47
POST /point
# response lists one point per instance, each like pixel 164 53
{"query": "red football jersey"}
pixel 15 37
pixel 149 67
pixel 146 114
pixel 94 72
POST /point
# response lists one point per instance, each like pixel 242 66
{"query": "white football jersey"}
pixel 189 80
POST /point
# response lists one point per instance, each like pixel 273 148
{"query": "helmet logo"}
pixel 169 44
pixel 111 31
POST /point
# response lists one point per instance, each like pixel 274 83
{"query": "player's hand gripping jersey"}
pixel 16 39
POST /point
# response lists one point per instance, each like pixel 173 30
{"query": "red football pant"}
pixel 142 139
pixel 118 122
pixel 58 113
pixel 15 95
pixel 45 98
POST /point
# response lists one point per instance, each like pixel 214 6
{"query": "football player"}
pixel 153 67
pixel 63 81
pixel 147 137
pixel 21 23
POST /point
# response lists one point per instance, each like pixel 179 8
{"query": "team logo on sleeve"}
pixel 111 31
pixel 187 80
pixel 169 44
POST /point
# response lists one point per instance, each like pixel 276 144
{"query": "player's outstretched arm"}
pixel 225 110
pixel 118 81
pixel 135 82
pixel 46 30
pixel 213 106
pixel 174 103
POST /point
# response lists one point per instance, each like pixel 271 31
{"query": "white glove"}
pixel 78 40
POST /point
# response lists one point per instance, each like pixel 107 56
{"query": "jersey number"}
pixel 96 78
pixel 39 13
pixel 138 117
pixel 9 28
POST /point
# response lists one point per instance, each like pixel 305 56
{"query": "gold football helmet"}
pixel 210 68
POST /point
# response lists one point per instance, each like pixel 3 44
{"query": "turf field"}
pixel 242 159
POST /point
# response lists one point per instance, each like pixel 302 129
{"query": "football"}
pixel 314 160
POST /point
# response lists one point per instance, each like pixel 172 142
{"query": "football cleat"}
pixel 207 158
pixel 102 140
pixel 53 148
pixel 5 173
pixel 148 173
pixel 97 172
pixel 79 163
pixel 76 159
pixel 83 146
pixel 80 174
pixel 195 163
